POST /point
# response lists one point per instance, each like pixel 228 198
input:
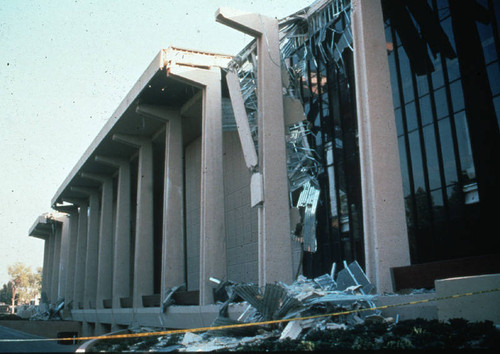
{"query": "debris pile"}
pixel 332 312
pixel 46 312
pixel 300 306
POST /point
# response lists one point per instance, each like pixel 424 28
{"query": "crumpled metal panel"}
pixel 361 277
pixel 308 200
pixel 275 303
pixel 326 282
pixel 321 28
pixel 323 294
pixel 302 162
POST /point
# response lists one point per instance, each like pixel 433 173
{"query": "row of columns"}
pixel 54 230
pixel 98 263
pixel 91 243
pixel 102 269
pixel 99 250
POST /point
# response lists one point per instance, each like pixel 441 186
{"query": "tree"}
pixel 24 282
pixel 6 293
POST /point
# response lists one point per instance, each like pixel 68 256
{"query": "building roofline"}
pixel 164 59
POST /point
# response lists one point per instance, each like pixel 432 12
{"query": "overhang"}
pixel 43 226
pixel 155 87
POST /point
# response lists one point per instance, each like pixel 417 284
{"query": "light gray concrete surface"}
pixel 480 307
pixel 30 346
pixel 384 220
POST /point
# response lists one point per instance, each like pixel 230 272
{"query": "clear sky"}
pixel 65 66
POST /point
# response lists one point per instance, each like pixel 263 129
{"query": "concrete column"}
pixel 122 235
pixel 45 270
pixel 73 240
pixel 212 226
pixel 81 251
pixel 173 268
pixel 56 262
pixel 144 240
pixel 173 265
pixel 384 221
pixel 275 254
pixel 63 264
pixel 91 257
pixel 70 253
pixel 105 260
pixel 50 267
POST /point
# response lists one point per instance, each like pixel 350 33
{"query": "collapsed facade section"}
pixel 256 168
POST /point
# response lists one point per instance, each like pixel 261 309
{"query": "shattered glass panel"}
pixel 310 39
pixel 314 42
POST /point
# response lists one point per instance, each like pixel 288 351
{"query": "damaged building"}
pixel 349 131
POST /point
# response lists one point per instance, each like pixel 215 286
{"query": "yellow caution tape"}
pixel 241 325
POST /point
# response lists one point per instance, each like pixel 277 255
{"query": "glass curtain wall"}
pixel 321 64
pixel 444 67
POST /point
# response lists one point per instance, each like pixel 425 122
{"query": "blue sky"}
pixel 65 66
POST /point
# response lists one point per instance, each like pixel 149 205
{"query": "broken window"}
pixel 316 47
pixel 322 149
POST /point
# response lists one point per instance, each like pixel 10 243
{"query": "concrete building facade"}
pixel 254 168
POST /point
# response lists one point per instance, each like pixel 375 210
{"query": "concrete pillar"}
pixel 73 240
pixel 384 221
pixel 50 267
pixel 122 235
pixel 69 250
pixel 144 239
pixel 56 261
pixel 105 260
pixel 91 257
pixel 212 226
pixel 81 251
pixel 45 270
pixel 63 264
pixel 275 254
pixel 173 267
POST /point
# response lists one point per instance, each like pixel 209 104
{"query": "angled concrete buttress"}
pixel 49 228
pixel 121 269
pixel 90 283
pixel 173 263
pixel 212 229
pixel 63 259
pixel 105 243
pixel 45 270
pixel 56 265
pixel 275 255
pixel 70 250
pixel 81 251
pixel 143 283
pixel 384 220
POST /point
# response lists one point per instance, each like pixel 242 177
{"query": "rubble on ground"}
pixel 47 312
pixel 349 293
pixel 298 317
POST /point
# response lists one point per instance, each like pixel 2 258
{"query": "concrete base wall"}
pixel 47 329
pixel 427 310
pixel 175 317
pixel 473 308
